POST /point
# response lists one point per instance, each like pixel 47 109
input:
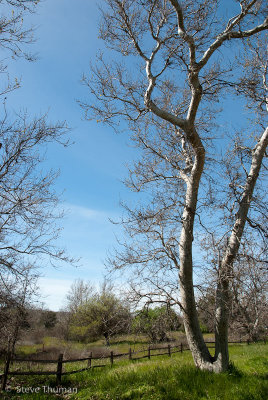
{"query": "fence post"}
pixel 130 354
pixel 149 352
pixel 89 360
pixel 169 352
pixel 59 369
pixel 112 358
pixel 181 347
pixel 4 381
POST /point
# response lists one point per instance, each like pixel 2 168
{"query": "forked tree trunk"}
pixel 200 352
pixel 201 355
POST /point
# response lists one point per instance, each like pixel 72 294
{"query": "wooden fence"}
pixel 59 372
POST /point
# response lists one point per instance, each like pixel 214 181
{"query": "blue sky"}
pixel 93 167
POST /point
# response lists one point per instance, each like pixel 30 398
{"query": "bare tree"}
pixel 168 93
pixel 16 296
pixel 78 295
pixel 13 32
pixel 28 202
pixel 29 209
pixel 29 213
pixel 15 37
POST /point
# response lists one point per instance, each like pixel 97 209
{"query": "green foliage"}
pixel 103 314
pixel 156 323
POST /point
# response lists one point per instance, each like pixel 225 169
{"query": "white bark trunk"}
pixel 222 298
pixel 201 355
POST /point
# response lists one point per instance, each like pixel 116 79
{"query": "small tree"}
pixel 78 295
pixel 103 314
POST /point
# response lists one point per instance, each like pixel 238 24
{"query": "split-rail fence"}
pixel 91 361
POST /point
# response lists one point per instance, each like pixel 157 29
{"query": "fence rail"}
pixel 59 371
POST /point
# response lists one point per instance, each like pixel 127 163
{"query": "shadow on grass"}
pixel 234 371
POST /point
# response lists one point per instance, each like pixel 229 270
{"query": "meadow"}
pixel 162 377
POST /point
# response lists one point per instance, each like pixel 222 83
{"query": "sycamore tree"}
pixel 176 65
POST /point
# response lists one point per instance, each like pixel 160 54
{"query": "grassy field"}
pixel 162 377
pixel 119 343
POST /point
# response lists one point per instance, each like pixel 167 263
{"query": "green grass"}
pixel 166 378
pixel 178 379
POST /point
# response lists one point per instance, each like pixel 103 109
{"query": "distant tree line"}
pixel 94 314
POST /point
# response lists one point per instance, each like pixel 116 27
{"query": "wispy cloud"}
pixel 73 210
